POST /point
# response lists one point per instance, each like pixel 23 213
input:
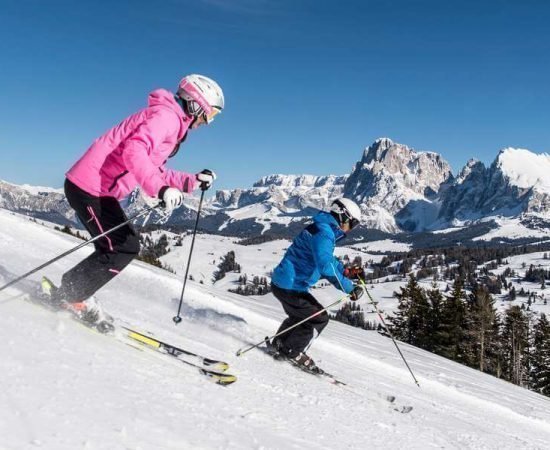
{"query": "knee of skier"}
pixel 321 321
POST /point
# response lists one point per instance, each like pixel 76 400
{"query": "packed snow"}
pixel 384 245
pixel 65 387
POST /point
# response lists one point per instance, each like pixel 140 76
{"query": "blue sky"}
pixel 308 84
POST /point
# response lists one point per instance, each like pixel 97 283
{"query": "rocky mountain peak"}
pixel 390 177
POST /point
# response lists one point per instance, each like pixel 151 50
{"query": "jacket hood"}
pixel 162 97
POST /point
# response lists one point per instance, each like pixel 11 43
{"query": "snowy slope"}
pixel 512 229
pixel 255 260
pixel 64 387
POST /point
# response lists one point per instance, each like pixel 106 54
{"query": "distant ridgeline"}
pixel 403 193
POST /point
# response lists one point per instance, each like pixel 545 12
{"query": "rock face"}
pixel 42 203
pixel 397 188
pixel 516 184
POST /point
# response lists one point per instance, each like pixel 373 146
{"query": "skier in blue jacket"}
pixel 308 259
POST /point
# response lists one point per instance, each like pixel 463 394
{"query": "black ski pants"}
pixel 299 305
pixel 112 252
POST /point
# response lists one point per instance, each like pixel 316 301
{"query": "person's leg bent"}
pixel 299 306
pixel 112 252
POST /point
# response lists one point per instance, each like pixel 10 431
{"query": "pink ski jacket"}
pixel 135 151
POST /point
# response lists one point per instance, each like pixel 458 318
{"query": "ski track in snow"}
pixel 66 387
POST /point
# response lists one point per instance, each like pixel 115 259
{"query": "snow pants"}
pixel 299 305
pixel 112 252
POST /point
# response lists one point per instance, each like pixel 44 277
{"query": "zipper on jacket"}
pixel 115 181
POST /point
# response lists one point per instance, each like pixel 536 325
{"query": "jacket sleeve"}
pixel 186 182
pixel 140 146
pixel 329 267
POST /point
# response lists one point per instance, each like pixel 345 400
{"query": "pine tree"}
pixel 514 336
pixel 410 323
pixel 228 264
pixel 483 329
pixel 450 337
pixel 435 300
pixel 539 374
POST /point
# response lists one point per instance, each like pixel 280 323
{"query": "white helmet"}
pixel 203 96
pixel 346 210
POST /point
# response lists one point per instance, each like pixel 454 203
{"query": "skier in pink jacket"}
pixel 132 153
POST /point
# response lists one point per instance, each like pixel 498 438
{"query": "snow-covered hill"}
pixel 259 260
pixel 67 388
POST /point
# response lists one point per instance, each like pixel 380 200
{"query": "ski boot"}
pixel 304 362
pixel 275 348
pixel 89 311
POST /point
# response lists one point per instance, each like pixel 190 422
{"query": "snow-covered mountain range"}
pixel 398 188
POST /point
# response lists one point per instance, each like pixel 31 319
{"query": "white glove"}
pixel 172 198
pixel 206 178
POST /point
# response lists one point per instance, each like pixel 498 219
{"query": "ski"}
pixel 319 372
pixel 172 350
pixel 210 368
pixel 221 378
pixel 271 351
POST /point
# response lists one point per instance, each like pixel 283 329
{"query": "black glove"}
pixel 354 273
pixel 206 177
pixel 356 293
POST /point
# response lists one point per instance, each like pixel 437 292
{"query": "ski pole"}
pixel 79 246
pixel 177 317
pixel 364 286
pixel 244 350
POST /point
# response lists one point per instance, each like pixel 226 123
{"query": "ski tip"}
pixel 219 366
pixel 46 285
pixel 223 379
pixel 226 380
pixel 222 367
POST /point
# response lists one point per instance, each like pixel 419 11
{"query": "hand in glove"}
pixel 356 293
pixel 354 273
pixel 171 197
pixel 206 178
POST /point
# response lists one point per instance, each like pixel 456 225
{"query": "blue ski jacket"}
pixel 310 257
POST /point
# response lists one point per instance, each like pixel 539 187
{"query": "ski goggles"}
pixel 210 117
pixel 352 221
